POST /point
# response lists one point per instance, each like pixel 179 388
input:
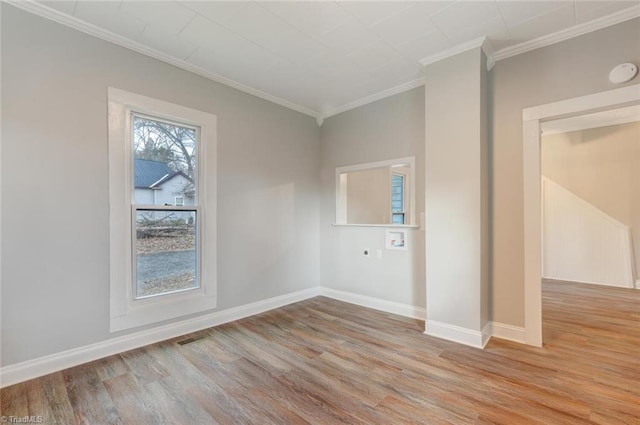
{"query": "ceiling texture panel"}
pixel 324 57
pixel 546 23
pixel 109 16
pixel 588 10
pixel 370 13
pixel 409 24
pixel 169 15
pixel 160 39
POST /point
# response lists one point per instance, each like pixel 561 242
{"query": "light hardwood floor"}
pixel 326 362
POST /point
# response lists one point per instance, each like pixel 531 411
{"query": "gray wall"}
pixel 572 68
pixel 369 196
pixel 386 129
pixel 55 212
pixel 272 208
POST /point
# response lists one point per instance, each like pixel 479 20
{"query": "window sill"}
pixel 162 310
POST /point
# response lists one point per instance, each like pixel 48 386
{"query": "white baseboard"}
pixel 486 334
pixel 433 328
pixel 400 309
pixel 638 284
pixel 503 331
pixel 41 366
pixel 470 337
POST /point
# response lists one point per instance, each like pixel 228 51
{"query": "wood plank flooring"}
pixel 326 362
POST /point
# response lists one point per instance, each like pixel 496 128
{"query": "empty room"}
pixel 291 212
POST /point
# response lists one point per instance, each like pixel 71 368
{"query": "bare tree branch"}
pixel 169 143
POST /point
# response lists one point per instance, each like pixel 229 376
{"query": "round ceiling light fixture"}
pixel 623 73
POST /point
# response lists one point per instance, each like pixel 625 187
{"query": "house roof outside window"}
pixel 149 172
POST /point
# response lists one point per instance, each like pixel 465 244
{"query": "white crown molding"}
pixel 566 34
pixel 493 56
pixel 70 21
pixel 481 42
pixel 374 97
pixel 487 48
pixel 75 23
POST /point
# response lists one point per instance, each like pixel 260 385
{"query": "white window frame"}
pixel 126 312
pixel 341 191
pixel 181 204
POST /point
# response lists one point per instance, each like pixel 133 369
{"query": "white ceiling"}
pixel 322 57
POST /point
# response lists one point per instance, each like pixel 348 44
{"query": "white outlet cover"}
pixel 623 73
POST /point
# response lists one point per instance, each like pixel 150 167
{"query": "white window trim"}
pixel 125 312
pixel 175 202
pixel 341 190
pixel 532 119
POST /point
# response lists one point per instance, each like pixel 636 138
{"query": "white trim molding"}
pixel 470 337
pixel 72 22
pixel 46 12
pixel 486 334
pixel 341 187
pixel 41 366
pixel 531 129
pixel 623 96
pixel 569 33
pixel 508 332
pixel 374 97
pixel 125 311
pixel 482 42
pixel 51 363
pixel 400 309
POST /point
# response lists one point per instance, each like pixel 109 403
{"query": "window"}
pixel 165 157
pixel 162 210
pixel 364 193
pixel 397 198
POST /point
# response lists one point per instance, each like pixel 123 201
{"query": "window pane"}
pixel 397 193
pixel 165 252
pixel 164 162
pixel 397 218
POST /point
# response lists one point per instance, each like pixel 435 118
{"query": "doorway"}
pixel 590 166
pixel 533 118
